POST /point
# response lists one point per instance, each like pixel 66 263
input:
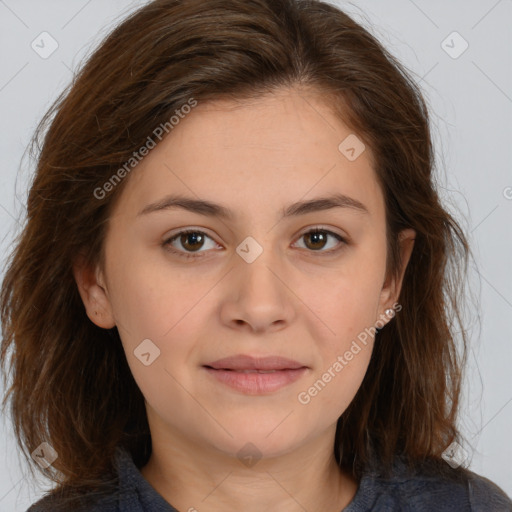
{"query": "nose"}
pixel 258 296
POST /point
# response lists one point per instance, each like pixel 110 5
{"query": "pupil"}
pixel 196 240
pixel 318 237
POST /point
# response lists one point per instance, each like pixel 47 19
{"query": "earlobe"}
pixel 94 294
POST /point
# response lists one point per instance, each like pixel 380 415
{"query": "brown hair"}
pixel 71 384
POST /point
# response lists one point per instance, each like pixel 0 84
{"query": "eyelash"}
pixel 167 243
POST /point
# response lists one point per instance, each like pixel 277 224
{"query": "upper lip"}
pixel 245 362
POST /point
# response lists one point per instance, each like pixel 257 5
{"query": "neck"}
pixel 193 477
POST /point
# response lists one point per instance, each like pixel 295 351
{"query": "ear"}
pixel 393 284
pixel 94 293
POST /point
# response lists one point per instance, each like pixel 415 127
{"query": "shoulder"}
pixel 91 503
pixel 105 496
pixel 484 493
pixel 125 491
pixel 427 487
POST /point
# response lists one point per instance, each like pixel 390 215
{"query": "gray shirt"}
pixel 422 491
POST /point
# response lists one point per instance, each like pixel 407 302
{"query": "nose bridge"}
pixel 260 297
pixel 259 263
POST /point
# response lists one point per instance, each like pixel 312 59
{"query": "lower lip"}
pixel 257 383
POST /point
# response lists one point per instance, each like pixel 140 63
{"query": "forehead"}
pixel 255 155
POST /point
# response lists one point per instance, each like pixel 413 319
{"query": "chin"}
pixel 259 442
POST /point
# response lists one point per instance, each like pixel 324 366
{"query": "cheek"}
pixel 347 307
pixel 149 297
pixel 346 303
pixel 326 395
pixel 157 313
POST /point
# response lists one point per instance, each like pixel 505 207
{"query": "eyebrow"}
pixel 210 209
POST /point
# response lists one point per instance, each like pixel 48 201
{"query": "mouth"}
pixel 248 363
pixel 256 376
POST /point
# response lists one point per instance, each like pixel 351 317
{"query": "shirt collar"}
pixel 136 494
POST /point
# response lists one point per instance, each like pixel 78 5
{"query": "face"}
pixel 268 273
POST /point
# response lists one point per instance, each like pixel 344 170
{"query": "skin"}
pixel 294 300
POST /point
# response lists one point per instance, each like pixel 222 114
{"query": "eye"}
pixel 317 239
pixel 190 240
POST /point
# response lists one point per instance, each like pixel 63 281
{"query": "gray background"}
pixel 471 101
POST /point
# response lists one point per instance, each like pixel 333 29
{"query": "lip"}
pixel 256 375
pixel 245 362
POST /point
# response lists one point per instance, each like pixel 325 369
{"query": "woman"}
pixel 236 284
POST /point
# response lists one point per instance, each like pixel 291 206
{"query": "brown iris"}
pixel 195 238
pixel 318 238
